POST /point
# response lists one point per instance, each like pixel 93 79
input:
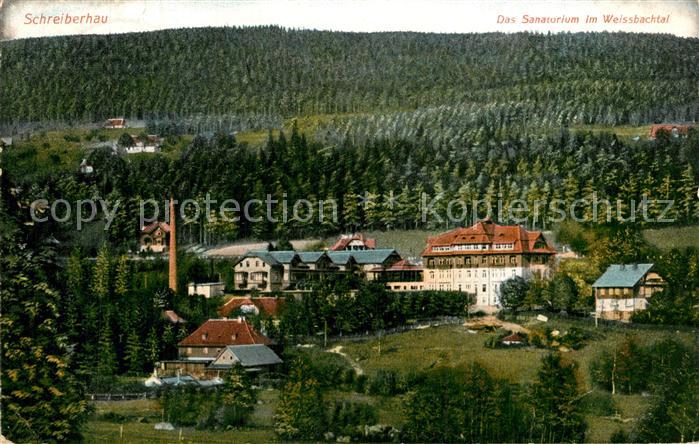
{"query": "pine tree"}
pixel 123 275
pixel 300 413
pixel 238 398
pixel 554 403
pixel 134 352
pixel 106 355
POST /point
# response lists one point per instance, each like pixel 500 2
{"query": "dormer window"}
pixel 204 336
pixel 234 336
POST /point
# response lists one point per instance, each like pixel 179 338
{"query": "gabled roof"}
pixel 340 257
pixel 251 355
pixel 311 256
pixel 487 232
pixel 267 305
pixel 264 255
pixel 622 275
pixel 346 239
pixel 401 265
pixel 514 337
pixel 222 332
pixel 285 256
pixel 372 256
pixel 152 226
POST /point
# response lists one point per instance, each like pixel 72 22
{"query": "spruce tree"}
pixel 300 413
pixel 554 396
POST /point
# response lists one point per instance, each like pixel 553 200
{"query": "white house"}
pixel 207 289
pixel 624 289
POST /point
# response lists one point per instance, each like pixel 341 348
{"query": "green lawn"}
pixel 453 346
pixel 410 351
pixel 137 433
pixel 140 417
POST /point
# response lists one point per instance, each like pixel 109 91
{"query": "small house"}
pixel 512 340
pixel 206 289
pixel 154 237
pixel 673 129
pixel 624 289
pixel 353 242
pixel 115 123
pixel 268 306
pixel 253 358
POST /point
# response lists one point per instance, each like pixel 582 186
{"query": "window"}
pixel 484 288
pixel 485 273
pixel 513 260
pixel 206 350
pixel 629 302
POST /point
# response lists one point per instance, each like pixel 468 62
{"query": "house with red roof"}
pixel 673 129
pixel 404 275
pixel 115 123
pixel 354 242
pixel 479 258
pixel 207 341
pixel 154 237
pixel 268 306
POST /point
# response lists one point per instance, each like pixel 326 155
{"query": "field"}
pixel 415 350
pixel 672 237
pixel 454 345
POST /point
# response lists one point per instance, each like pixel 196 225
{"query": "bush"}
pixel 619 436
pixel 384 383
pixel 347 417
pixel 360 383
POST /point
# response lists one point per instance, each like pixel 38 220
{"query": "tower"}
pixel 172 249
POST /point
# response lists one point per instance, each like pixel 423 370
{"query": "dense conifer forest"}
pixel 522 79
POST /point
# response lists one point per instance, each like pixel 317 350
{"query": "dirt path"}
pixel 492 321
pixel 338 350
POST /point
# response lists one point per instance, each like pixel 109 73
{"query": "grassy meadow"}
pixel 417 350
pixel 672 237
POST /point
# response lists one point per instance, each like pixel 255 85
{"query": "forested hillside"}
pixel 269 72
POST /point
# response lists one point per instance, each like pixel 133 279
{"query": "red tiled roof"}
pixel 222 332
pixel 344 241
pixel 401 265
pixel 116 122
pixel 152 226
pixel 514 337
pixel 488 232
pixel 681 128
pixel 267 305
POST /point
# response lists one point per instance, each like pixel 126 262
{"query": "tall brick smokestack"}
pixel 172 248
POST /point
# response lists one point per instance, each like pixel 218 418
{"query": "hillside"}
pixel 267 72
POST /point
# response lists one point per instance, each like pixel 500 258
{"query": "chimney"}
pixel 172 249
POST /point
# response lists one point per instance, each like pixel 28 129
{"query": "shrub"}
pixel 384 383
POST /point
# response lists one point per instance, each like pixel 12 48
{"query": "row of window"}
pixel 464 247
pixel 500 272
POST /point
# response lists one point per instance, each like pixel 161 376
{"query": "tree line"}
pixel 381 184
pixel 603 78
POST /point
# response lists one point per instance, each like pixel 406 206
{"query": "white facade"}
pixel 484 283
pixel 208 290
pixel 622 305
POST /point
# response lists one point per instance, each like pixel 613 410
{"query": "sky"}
pixel 449 16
